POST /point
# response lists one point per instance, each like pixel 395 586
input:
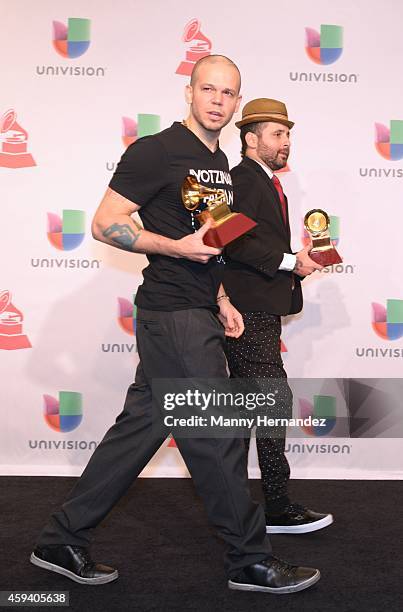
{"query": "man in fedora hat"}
pixel 263 280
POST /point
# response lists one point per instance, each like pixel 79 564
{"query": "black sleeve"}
pixel 253 248
pixel 142 171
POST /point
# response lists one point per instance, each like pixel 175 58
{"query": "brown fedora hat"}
pixel 264 109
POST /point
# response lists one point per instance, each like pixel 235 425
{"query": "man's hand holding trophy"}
pixel 323 252
pixel 207 203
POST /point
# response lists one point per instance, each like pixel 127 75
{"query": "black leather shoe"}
pixel 74 562
pixel 297 519
pixel 274 576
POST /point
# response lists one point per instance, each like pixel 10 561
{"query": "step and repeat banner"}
pixel 82 80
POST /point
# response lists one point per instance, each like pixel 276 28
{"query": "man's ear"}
pixel 238 104
pixel 251 140
pixel 189 94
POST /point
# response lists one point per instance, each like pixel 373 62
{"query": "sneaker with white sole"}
pixel 297 519
pixel 74 562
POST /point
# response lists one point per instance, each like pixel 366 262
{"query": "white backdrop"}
pixel 63 293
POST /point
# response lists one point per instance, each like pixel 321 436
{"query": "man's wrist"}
pixel 298 265
pixel 223 296
pixel 173 248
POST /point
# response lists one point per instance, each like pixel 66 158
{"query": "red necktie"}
pixel 281 195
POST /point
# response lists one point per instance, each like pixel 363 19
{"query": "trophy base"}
pixel 185 68
pixel 17 160
pixel 16 341
pixel 221 235
pixel 327 257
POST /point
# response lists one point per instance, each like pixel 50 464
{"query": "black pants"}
pixel 257 354
pixel 187 343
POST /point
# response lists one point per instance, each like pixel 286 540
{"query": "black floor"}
pixel 169 559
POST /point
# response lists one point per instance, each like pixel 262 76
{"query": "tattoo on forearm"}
pixel 122 235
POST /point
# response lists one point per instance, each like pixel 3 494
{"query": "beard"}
pixel 271 158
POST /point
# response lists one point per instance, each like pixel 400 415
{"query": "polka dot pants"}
pixel 257 354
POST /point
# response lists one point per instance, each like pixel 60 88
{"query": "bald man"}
pixel 181 326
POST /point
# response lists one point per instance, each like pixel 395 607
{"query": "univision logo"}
pixel 324 48
pixel 65 413
pixel 67 232
pixel 127 320
pixel 301 448
pixel 389 141
pixel 387 323
pixel 323 407
pixel 72 40
pixel 127 313
pixel 389 144
pixel 145 125
pixel 318 449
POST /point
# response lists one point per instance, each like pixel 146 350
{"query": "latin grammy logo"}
pixel 14 139
pixel 201 46
pixel 11 336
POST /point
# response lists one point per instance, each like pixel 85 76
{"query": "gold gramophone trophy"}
pixel 316 223
pixel 210 203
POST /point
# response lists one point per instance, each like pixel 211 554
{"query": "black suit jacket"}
pixel 251 276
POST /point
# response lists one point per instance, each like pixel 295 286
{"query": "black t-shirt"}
pixel 151 173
